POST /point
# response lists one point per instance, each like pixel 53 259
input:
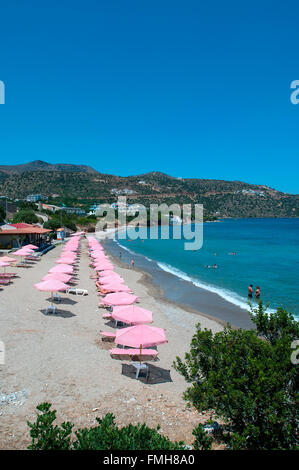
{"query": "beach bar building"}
pixel 15 235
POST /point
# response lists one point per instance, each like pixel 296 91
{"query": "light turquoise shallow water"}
pixel 267 254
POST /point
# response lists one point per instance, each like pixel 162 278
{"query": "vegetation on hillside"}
pixel 76 185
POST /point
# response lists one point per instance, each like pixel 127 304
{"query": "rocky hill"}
pixel 83 184
pixel 39 165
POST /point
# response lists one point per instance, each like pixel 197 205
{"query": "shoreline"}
pixel 168 288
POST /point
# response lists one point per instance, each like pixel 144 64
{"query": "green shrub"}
pixel 105 436
pixel 250 383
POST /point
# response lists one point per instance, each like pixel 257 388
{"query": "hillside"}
pixel 83 185
pixel 39 165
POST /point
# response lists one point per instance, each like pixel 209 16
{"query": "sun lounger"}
pixel 51 309
pixel 4 282
pixel 120 352
pixel 107 316
pixel 108 335
pixel 57 297
pixel 7 275
pixel 74 290
pixel 140 367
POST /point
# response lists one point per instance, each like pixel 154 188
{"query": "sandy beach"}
pixel 62 359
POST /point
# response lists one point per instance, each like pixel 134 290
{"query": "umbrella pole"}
pixel 140 352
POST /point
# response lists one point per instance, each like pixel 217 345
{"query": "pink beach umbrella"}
pixel 4 265
pixel 140 336
pixel 116 287
pixel 57 276
pixel 110 280
pixel 71 249
pixel 132 315
pixel 65 261
pixel 98 254
pixel 145 336
pixel 7 259
pixel 103 267
pixel 120 298
pixel 31 247
pixel 23 252
pixel 62 268
pixel 52 286
pixel 113 277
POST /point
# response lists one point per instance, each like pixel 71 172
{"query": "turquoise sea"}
pixel 267 255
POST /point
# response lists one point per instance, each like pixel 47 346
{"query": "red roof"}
pixel 29 229
pixel 21 225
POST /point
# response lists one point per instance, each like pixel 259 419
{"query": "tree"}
pixel 2 214
pixel 52 224
pixel 272 326
pixel 25 215
pixel 250 384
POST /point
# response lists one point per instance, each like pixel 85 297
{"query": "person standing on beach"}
pixel 120 254
pixel 250 290
pixel 132 263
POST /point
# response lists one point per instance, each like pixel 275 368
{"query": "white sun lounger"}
pixel 140 367
pixel 75 290
pixel 51 309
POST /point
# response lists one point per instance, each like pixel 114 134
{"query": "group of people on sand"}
pixel 257 293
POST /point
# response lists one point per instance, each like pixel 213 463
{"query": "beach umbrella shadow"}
pixel 59 313
pixel 156 375
pixel 64 300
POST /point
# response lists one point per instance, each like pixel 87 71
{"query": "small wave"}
pixel 224 293
pixel 132 252
pixel 124 247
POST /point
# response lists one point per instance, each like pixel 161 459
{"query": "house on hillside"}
pixel 48 207
pixel 36 198
pixel 74 210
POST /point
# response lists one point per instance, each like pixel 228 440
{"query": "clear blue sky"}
pixel 191 88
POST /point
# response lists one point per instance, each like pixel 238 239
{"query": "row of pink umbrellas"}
pixel 26 250
pixel 140 335
pixel 58 277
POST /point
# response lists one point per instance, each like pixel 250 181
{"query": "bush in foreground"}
pixel 45 435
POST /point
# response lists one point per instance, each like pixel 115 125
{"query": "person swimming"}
pixel 250 290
